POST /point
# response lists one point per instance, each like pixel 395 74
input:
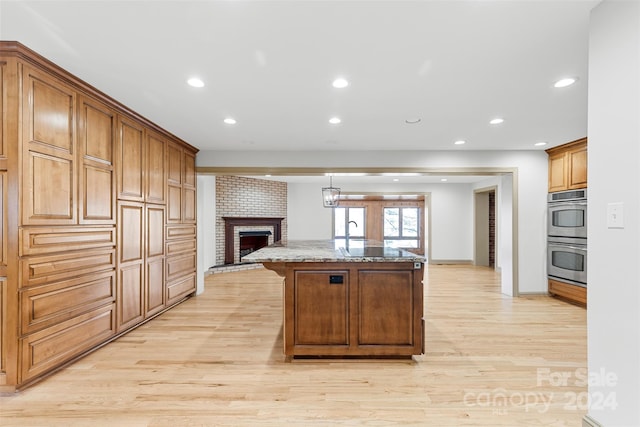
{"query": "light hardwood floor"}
pixel 216 360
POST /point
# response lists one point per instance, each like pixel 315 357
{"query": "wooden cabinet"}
pixel 96 186
pixel 568 166
pixel 85 230
pixel 569 292
pixel 48 150
pixel 352 308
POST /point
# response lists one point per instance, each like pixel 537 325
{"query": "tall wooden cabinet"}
pixel 85 185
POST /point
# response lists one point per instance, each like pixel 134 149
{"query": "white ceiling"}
pixel 270 64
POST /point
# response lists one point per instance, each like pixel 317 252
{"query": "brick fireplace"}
pixel 257 201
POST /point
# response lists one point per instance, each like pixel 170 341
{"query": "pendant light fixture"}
pixel 330 195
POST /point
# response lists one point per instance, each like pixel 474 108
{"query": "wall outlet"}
pixel 615 215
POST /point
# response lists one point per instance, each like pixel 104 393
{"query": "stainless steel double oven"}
pixel 567 237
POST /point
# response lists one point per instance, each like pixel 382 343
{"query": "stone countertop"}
pixel 331 251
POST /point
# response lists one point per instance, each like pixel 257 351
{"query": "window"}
pixel 401 227
pixel 348 223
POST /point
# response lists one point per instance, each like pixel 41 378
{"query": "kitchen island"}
pixel 347 300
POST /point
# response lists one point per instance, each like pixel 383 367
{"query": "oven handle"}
pixel 561 245
pixel 554 204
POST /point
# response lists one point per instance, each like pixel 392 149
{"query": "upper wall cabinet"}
pixel 568 166
pixel 48 150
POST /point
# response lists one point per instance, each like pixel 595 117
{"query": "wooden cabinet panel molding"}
pixel 85 184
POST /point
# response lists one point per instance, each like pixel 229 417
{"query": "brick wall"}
pixel 248 197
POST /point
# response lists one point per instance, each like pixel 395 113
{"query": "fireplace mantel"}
pixel 231 222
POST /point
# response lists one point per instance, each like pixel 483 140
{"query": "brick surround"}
pixel 238 196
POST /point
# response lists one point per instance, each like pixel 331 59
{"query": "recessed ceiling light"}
pixel 413 120
pixel 195 82
pixel 496 121
pixel 443 179
pixel 395 180
pixel 540 144
pixel 565 82
pixel 267 175
pixel 230 121
pixel 460 142
pixel 335 120
pixel 340 83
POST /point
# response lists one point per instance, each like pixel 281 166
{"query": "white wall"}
pixel 451 214
pixel 206 227
pixel 306 218
pixel 531 186
pixel 614 176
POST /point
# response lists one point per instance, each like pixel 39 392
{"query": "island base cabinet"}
pixel 352 309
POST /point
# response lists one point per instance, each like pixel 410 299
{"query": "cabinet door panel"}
pixel 97 206
pixel 51 112
pixel 189 209
pixel 3 108
pixel 577 168
pixel 189 178
pixel 557 173
pixel 45 306
pixel 130 232
pixel 155 231
pixel 155 286
pixel 49 138
pixel 51 347
pixel 322 312
pixel 174 204
pixel 130 295
pixel 96 137
pixel 130 161
pixel 41 240
pixel 174 164
pixel 180 288
pixel 156 161
pixel 3 222
pixel 383 298
pixel 180 265
pixel 51 184
pixel 39 270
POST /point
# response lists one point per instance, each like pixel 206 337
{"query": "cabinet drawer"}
pixel 35 241
pixel 39 270
pixel 45 306
pixel 180 289
pixel 179 246
pixel 51 347
pixel 180 265
pixel 175 232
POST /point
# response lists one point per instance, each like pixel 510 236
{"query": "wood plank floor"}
pixel 216 360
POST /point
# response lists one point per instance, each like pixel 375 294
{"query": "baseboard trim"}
pixel 588 421
pixel 451 261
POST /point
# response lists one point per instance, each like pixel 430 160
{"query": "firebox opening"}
pixel 251 241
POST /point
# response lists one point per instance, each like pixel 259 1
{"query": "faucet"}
pixel 354 223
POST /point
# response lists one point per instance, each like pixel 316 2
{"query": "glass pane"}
pixel 356 222
pixel 393 243
pixel 391 222
pixel 338 221
pixel 410 222
pixel 568 218
pixel 568 260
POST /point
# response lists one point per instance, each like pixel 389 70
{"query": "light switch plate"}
pixel 615 215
